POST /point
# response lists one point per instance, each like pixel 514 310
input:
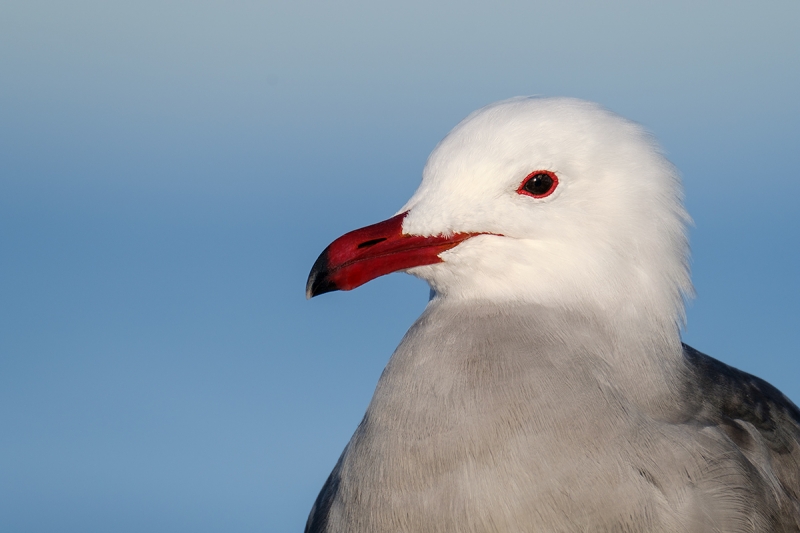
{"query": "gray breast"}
pixel 554 422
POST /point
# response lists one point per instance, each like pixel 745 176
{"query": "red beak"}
pixel 364 254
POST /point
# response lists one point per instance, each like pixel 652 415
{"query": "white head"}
pixel 611 237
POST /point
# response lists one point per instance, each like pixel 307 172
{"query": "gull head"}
pixel 552 201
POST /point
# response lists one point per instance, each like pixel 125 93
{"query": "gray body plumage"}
pixel 558 422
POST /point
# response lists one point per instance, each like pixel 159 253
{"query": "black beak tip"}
pixel 319 281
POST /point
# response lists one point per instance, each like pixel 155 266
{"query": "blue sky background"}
pixel 169 171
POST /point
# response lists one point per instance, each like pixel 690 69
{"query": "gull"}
pixel 545 388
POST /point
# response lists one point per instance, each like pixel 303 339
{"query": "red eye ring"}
pixel 539 184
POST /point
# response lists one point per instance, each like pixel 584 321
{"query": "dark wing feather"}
pixel 723 396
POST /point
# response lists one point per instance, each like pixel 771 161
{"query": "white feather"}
pixel 611 238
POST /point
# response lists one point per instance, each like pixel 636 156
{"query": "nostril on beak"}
pixel 373 242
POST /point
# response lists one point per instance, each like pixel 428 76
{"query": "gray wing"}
pixel 736 401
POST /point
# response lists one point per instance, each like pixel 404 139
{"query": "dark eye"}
pixel 539 183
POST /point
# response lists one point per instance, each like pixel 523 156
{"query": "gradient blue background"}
pixel 169 171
